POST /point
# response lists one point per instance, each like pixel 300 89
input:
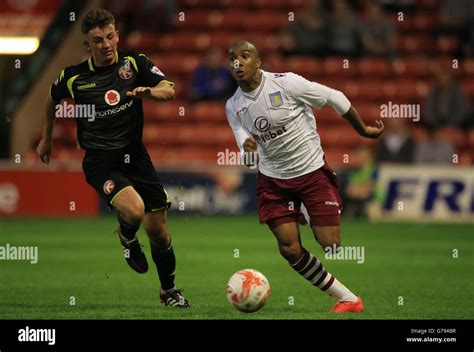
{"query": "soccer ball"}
pixel 248 290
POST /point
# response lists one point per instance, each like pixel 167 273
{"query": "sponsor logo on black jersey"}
pixel 112 97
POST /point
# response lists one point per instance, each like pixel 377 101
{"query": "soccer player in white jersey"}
pixel 270 114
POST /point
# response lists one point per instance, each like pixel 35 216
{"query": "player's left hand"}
pixel 140 92
pixel 374 131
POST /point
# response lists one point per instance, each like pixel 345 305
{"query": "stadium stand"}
pixel 178 133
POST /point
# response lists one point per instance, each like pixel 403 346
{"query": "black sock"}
pixel 165 264
pixel 127 230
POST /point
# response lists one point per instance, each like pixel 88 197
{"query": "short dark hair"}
pixel 96 18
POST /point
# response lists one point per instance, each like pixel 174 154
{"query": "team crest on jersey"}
pixel 125 71
pixel 108 187
pixel 262 124
pixel 112 97
pixel 276 99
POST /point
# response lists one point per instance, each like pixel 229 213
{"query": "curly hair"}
pixel 96 18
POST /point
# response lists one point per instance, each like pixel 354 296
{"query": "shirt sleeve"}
pixel 149 75
pixel 59 89
pixel 316 95
pixel 240 133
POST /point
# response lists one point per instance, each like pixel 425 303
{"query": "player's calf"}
pixel 329 237
pixel 132 249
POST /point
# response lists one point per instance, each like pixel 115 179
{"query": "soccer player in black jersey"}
pixel 116 162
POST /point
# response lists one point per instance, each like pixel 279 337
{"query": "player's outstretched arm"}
pixel 45 146
pixel 365 131
pixel 163 91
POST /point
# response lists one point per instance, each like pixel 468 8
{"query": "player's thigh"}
pixel 321 198
pixel 155 226
pixel 289 241
pixel 327 236
pixel 129 204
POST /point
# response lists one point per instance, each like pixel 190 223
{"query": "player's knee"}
pixel 134 212
pixel 330 244
pixel 291 252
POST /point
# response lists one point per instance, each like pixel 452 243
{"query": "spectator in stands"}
pixel 378 33
pixel 308 34
pixel 396 144
pixel 405 6
pixel 212 79
pixel 446 102
pixel 134 16
pixel 360 184
pixel 343 30
pixel 454 15
pixel 455 19
pixel 435 150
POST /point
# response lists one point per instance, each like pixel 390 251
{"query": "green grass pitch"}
pixel 82 258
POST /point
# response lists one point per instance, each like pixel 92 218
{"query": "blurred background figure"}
pixel 396 145
pixel 378 33
pixel 435 150
pixel 359 184
pixel 446 102
pixel 212 79
pixel 308 34
pixel 344 30
pixel 152 16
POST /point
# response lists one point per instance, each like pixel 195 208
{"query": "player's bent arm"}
pixel 365 131
pixel 45 145
pixel 163 91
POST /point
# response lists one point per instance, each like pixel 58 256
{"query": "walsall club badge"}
pixel 108 187
pixel 125 72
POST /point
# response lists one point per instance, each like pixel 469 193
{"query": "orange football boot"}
pixel 348 307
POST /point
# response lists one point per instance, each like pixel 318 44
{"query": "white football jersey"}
pixel 278 116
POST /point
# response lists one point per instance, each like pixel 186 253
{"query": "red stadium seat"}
pixel 457 137
pixel 447 45
pixel 374 67
pixel 468 88
pixel 208 112
pixel 415 44
pixel 418 133
pixel 424 21
pixel 274 63
pixel 172 111
pixel 304 66
pixel 412 66
pixel 336 66
pixel 270 21
pixel 342 137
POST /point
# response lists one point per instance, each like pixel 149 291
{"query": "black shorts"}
pixel 109 172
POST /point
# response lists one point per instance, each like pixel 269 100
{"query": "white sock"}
pixel 314 271
pixel 341 292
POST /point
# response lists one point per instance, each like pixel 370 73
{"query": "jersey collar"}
pixel 91 63
pixel 256 92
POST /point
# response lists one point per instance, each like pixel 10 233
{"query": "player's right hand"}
pixel 45 146
pixel 250 146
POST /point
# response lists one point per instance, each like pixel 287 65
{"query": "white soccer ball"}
pixel 248 290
